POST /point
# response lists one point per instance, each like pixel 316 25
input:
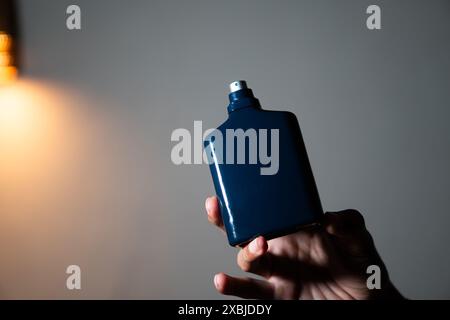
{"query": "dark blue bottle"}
pixel 261 171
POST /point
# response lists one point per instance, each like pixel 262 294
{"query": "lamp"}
pixel 9 38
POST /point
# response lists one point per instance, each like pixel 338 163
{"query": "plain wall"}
pixel 98 188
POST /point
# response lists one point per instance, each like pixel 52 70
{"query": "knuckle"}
pixel 354 218
pixel 242 263
pixel 359 218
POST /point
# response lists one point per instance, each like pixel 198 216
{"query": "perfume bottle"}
pixel 261 171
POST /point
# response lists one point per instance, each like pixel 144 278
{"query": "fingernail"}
pixel 216 281
pixel 208 204
pixel 254 246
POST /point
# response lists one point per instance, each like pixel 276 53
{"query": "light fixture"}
pixel 9 42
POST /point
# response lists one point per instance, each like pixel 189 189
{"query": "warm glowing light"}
pixel 5 59
pixel 15 115
pixel 8 72
pixel 5 42
pixel 7 75
pixel 33 130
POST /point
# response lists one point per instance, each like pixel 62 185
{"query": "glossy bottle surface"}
pixel 273 204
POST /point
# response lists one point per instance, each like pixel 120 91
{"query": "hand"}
pixel 328 261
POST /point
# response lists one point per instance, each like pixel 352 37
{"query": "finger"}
pixel 349 229
pixel 344 223
pixel 213 212
pixel 246 288
pixel 251 258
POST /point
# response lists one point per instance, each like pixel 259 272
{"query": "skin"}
pixel 328 261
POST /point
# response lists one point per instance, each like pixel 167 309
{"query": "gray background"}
pixel 373 107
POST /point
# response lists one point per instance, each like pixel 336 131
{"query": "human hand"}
pixel 328 261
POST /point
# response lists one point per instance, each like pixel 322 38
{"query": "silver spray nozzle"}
pixel 238 85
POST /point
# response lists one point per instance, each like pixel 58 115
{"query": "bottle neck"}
pixel 243 98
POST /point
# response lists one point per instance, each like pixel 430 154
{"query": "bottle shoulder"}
pixel 258 118
pixel 285 114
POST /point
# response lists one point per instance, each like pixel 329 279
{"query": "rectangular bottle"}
pixel 261 171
